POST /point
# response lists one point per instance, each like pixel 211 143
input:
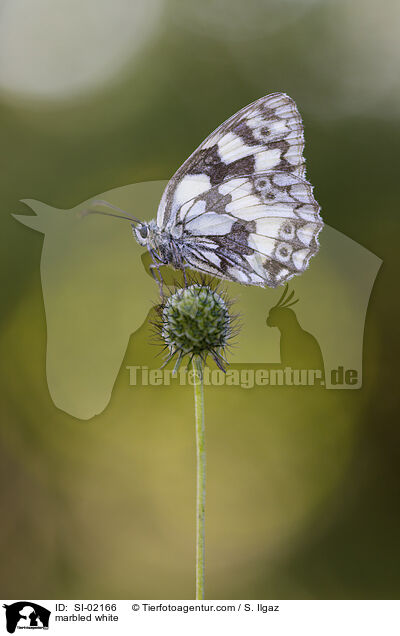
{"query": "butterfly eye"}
pixel 143 231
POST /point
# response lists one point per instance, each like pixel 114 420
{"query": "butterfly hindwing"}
pixel 267 135
pixel 255 229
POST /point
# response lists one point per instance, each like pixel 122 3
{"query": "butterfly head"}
pixel 141 233
pixel 146 233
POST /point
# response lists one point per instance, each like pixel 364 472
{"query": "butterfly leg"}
pixel 184 275
pixel 153 267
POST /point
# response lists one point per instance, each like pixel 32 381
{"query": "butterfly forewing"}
pixel 266 135
pixel 240 206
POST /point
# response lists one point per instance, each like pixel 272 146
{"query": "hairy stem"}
pixel 201 474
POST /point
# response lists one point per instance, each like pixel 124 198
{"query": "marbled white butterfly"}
pixel 240 207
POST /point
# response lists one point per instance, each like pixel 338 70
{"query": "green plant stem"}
pixel 201 474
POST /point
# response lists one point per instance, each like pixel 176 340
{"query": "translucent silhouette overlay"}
pixel 299 349
pixel 97 292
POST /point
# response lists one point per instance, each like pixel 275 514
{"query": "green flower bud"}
pixel 195 321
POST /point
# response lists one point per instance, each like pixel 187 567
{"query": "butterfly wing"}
pixel 264 136
pixel 255 229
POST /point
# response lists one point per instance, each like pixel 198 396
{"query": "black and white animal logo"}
pixel 25 615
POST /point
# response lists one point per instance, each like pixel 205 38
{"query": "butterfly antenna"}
pixel 100 202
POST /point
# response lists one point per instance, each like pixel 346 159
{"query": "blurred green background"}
pixel 303 486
